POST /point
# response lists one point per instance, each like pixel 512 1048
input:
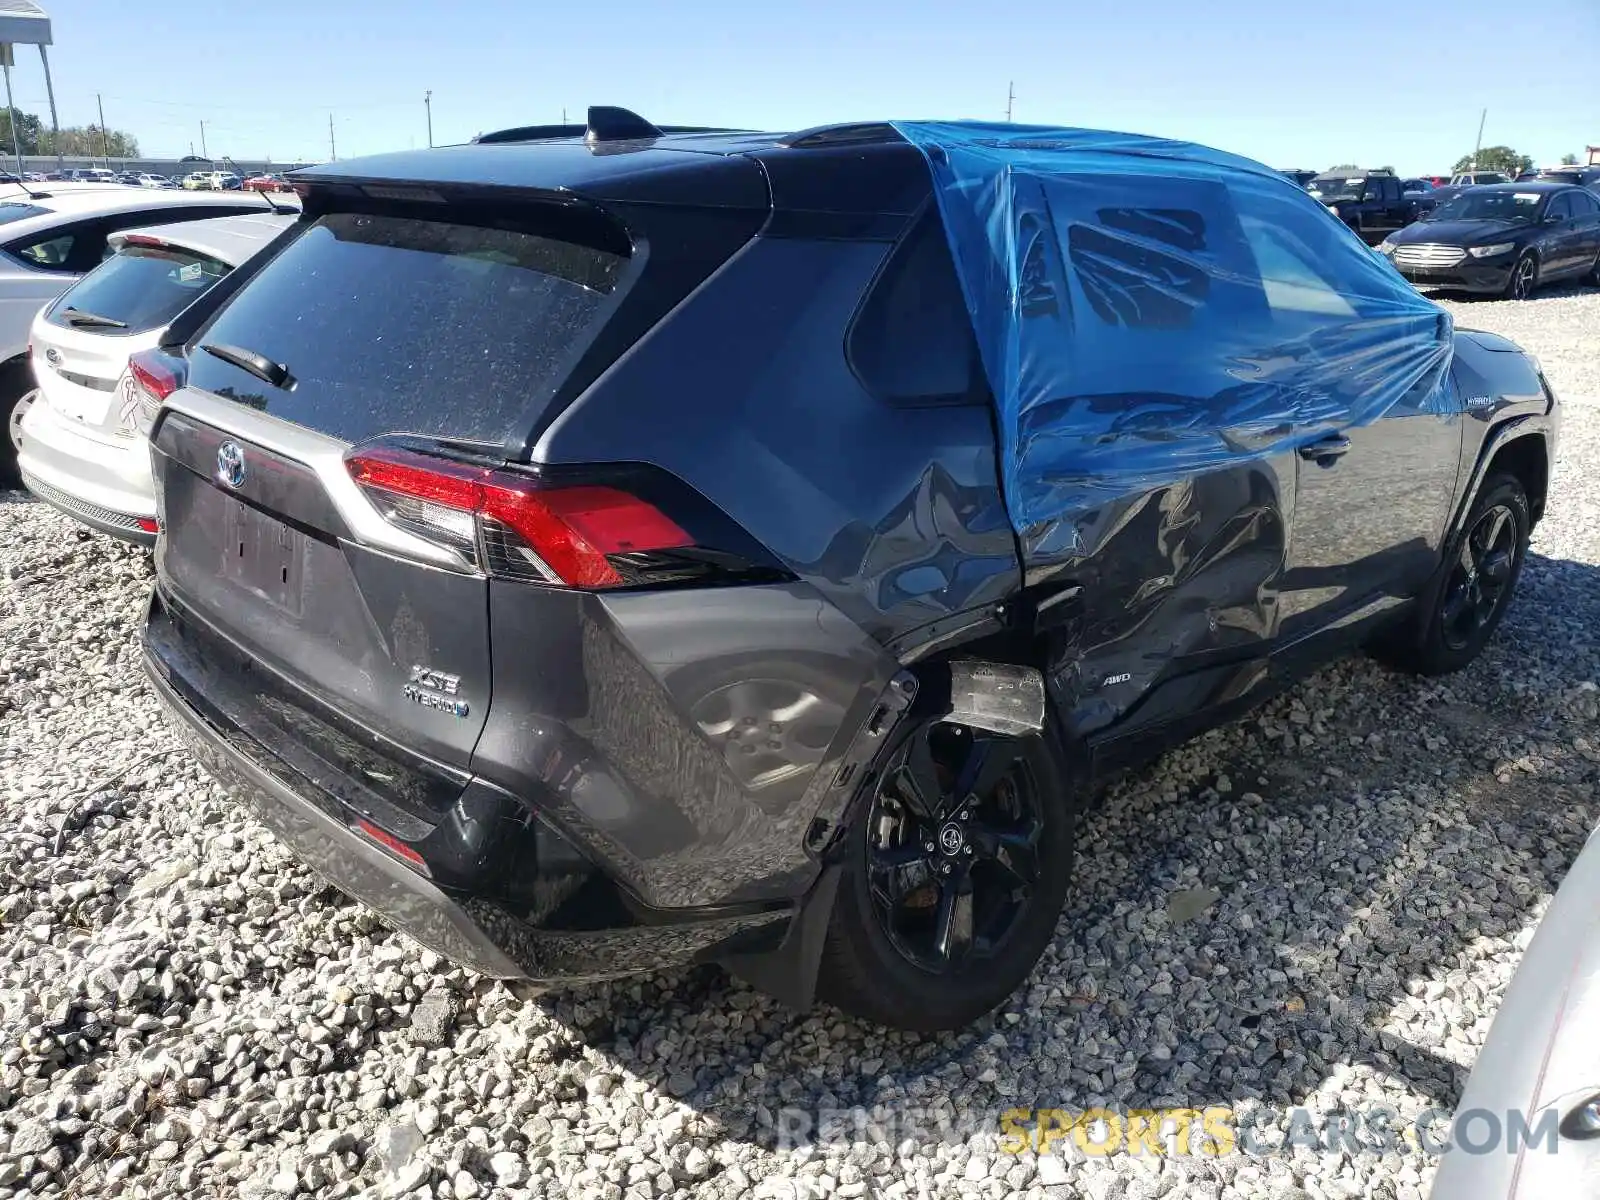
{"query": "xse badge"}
pixel 435 690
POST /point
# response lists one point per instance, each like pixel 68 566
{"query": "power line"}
pixel 304 107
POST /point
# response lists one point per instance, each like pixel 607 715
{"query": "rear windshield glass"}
pixel 393 324
pixel 17 212
pixel 137 289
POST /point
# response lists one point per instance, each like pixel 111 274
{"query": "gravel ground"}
pixel 1320 905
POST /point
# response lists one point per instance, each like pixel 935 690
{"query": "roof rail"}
pixel 834 135
pixel 606 123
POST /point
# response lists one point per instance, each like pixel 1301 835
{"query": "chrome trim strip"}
pixel 324 456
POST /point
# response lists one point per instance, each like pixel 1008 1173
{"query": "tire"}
pixel 879 962
pixel 1524 277
pixel 16 381
pixel 1451 636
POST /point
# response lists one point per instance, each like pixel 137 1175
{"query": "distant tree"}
pixel 1496 158
pixel 79 141
pixel 1389 169
pixel 1345 167
pixel 1569 160
pixel 28 128
pixel 86 142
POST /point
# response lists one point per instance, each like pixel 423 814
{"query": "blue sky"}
pixel 1295 83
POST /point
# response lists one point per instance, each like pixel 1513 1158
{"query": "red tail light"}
pixel 156 373
pixel 512 525
pixel 155 377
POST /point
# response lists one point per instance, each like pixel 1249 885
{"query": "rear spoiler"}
pixel 605 124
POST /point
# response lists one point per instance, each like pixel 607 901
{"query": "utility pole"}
pixel 11 108
pixel 203 153
pixel 105 146
pixel 1478 145
pixel 55 125
pixel 333 153
pixel 427 102
pixel 1011 99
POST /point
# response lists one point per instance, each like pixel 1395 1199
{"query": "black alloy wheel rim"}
pixel 1522 279
pixel 1480 579
pixel 953 846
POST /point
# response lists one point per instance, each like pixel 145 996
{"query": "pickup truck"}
pixel 1370 202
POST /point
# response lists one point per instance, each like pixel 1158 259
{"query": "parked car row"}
pixel 266 181
pixel 1476 232
pixel 824 710
pixel 1504 239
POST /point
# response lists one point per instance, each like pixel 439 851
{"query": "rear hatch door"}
pixel 82 342
pixel 370 645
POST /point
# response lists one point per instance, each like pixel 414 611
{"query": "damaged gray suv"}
pixel 607 547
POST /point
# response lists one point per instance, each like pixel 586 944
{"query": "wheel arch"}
pixel 1009 638
pixel 1527 457
pixel 18 364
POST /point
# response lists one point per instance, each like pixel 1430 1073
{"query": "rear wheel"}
pixel 956 872
pixel 1524 277
pixel 1480 577
pixel 16 382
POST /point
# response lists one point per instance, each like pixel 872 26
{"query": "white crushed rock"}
pixel 1318 905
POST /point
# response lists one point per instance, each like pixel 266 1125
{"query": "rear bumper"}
pixel 570 925
pixel 106 487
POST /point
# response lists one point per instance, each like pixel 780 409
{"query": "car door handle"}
pixel 1326 451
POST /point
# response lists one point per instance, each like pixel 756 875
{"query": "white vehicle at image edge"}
pixel 50 236
pixel 1540 1065
pixel 81 443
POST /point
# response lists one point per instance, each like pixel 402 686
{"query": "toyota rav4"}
pixel 602 548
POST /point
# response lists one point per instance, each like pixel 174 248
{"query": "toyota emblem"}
pixel 230 464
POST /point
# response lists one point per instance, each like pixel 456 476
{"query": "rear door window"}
pixel 395 324
pixel 142 287
pixel 53 253
pixel 1290 278
pixel 1583 204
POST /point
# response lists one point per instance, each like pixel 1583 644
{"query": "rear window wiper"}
pixel 77 316
pixel 259 365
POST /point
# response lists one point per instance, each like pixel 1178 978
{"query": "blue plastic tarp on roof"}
pixel 1148 309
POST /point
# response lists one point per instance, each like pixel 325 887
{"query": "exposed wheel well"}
pixel 12 367
pixel 1528 458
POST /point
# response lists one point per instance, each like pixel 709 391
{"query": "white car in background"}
pixel 81 444
pixel 53 234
